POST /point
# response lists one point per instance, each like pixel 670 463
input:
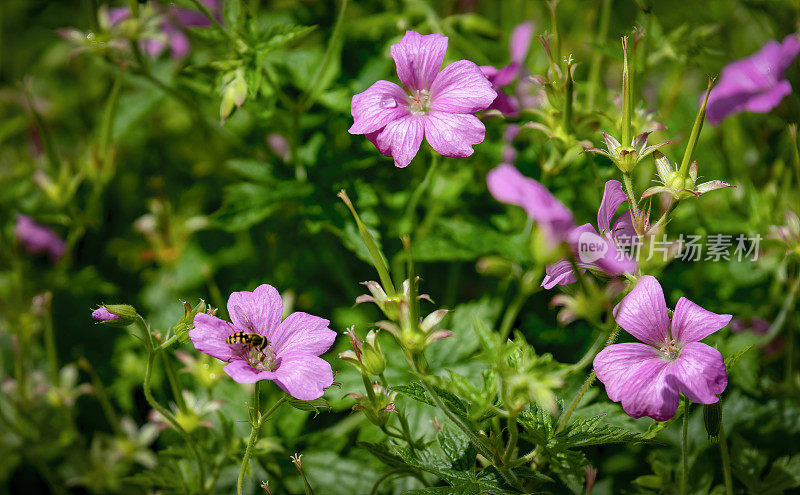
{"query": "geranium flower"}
pixel 595 251
pixel 755 83
pixel 509 186
pixel 434 104
pixel 518 47
pixel 290 357
pixel 36 238
pixel 648 377
pixel 175 21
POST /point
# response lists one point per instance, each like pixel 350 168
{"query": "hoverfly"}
pixel 249 340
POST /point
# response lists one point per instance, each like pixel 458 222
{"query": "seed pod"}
pixel 712 417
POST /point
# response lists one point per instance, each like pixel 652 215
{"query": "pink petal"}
pixel 624 229
pixel 643 312
pixel 419 58
pixel 242 372
pixel 558 273
pixel 302 376
pixel 700 373
pixel 461 88
pixel 691 323
pixel 303 333
pixel 381 103
pixel 401 139
pixel 179 45
pixel 613 196
pixel 259 311
pixel 638 376
pixel 520 42
pixel 209 334
pixel 453 134
pixel 711 186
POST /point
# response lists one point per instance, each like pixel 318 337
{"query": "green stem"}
pixel 108 120
pixel 47 139
pixel 50 343
pixel 685 448
pixel 511 313
pixel 726 460
pixel 314 87
pixel 569 90
pixel 625 126
pixel 589 355
pixel 597 58
pixel 563 422
pixel 698 125
pixel 102 396
pixel 415 197
pixel 626 178
pixel 254 433
pixel 174 385
pixel 147 338
pixel 513 436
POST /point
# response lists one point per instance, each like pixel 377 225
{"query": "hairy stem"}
pixel 685 448
pixel 254 434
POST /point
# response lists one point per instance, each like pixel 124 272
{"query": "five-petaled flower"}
pixel 648 377
pixel 36 238
pixel 509 186
pixel 598 252
pixel 518 50
pixel 755 83
pixel 437 105
pixel 290 356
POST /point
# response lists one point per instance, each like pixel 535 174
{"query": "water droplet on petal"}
pixel 388 102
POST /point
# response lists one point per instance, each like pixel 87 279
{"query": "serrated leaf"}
pixel 315 405
pixel 593 431
pixel 457 448
pixel 383 453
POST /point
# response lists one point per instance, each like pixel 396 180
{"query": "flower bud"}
pixel 377 405
pixel 233 94
pixel 712 418
pixel 494 266
pixel 117 315
pixel 372 359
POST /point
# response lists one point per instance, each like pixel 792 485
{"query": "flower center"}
pixel 670 349
pixel 419 102
pixel 261 359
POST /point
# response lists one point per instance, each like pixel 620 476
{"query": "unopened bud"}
pixel 233 95
pixel 372 359
pixel 117 315
pixel 494 266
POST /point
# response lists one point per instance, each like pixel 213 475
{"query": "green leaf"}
pixel 457 448
pixel 593 431
pixel 315 405
pixel 464 240
pixel 382 452
pixel 245 204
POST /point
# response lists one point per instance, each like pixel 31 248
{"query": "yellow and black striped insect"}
pixel 250 340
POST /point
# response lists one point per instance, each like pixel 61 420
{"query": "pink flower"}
pixel 518 49
pixel 604 256
pixel 755 83
pixel 289 356
pixel 648 377
pixel 509 186
pixel 438 105
pixel 175 21
pixel 36 238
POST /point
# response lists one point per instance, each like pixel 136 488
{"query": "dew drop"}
pixel 388 102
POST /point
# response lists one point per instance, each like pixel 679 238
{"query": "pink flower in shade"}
pixel 36 238
pixel 172 27
pixel 434 104
pixel 755 83
pixel 509 186
pixel 518 49
pixel 291 357
pixel 606 258
pixel 648 377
